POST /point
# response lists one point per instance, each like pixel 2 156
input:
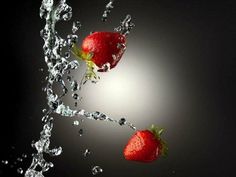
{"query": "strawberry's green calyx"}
pixel 80 54
pixel 157 132
pixel 87 57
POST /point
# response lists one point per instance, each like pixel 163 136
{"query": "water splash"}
pixel 107 10
pixel 76 26
pixel 126 25
pixel 59 65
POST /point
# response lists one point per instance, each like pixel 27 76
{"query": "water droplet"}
pixel 5 162
pixel 76 123
pixel 20 171
pixel 81 131
pixel 107 10
pixel 75 96
pixel 19 159
pixel 67 55
pixel 76 104
pixel 76 25
pixel 96 170
pixel 74 86
pixel 122 121
pixel 69 78
pixel 55 151
pixel 24 156
pixel 87 153
pixel 44 110
pixel 126 26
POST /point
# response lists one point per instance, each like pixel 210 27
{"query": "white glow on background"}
pixel 138 89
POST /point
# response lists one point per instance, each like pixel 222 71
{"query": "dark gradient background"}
pixel 179 72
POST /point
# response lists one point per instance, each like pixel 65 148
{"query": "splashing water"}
pixel 107 10
pixel 58 65
pixel 125 26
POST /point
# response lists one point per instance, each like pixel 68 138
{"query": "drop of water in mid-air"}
pixel 20 171
pixel 76 123
pixel 75 96
pixel 96 170
pixel 81 131
pixel 24 156
pixel 87 152
pixel 76 26
pixel 5 162
pixel 122 121
pixel 19 159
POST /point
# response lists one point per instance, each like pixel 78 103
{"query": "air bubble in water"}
pixel 96 170
pixel 20 171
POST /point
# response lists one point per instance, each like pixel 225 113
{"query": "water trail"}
pixel 58 65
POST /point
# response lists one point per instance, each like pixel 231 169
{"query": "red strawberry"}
pixel 145 146
pixel 104 49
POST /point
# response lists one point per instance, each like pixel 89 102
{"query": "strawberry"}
pixel 145 146
pixel 104 49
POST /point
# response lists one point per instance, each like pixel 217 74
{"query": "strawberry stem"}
pixel 87 57
pixel 157 133
pixel 80 54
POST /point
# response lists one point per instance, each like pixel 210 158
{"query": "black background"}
pixel 198 39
